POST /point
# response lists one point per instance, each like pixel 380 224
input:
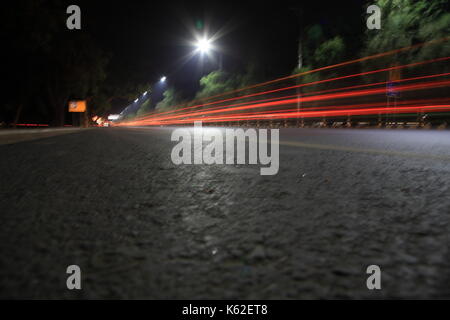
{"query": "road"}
pixel 111 201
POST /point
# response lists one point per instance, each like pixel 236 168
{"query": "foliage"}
pixel 219 82
pixel 130 116
pixel 215 83
pixel 49 64
pixel 407 22
pixel 171 99
pixel 329 52
pixel 144 108
pixel 306 78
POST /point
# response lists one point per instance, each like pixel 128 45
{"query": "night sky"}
pixel 148 39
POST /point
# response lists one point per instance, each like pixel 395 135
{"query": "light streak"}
pixel 305 85
pixel 238 108
pixel 342 95
pixel 379 55
pixel 312 93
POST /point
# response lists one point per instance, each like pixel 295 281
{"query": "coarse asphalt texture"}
pixel 111 201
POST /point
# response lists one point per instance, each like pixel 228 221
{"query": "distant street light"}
pixel 150 92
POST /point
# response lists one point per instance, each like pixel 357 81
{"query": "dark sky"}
pixel 148 39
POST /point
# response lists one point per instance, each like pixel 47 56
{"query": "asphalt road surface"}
pixel 111 201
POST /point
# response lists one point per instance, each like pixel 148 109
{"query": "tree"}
pixel 215 83
pixel 76 70
pixel 405 23
pixel 330 52
pixel 171 99
pixel 219 82
pixel 28 27
pixel 144 108
pixel 49 65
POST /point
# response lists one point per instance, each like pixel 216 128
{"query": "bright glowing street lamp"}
pixel 163 79
pixel 206 46
pixel 203 45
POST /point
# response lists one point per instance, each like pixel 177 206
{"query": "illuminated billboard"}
pixel 77 106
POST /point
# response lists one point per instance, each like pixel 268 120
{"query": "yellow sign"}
pixel 77 106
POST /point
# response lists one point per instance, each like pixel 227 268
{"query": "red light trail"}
pixel 342 95
pixel 304 85
pixel 291 96
pixel 379 55
pixel 243 107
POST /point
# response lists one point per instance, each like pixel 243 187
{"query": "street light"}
pixel 163 79
pixel 203 45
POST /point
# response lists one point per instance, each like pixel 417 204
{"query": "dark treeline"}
pixel 48 64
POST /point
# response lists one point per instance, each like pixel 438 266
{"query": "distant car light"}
pixel 113 116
